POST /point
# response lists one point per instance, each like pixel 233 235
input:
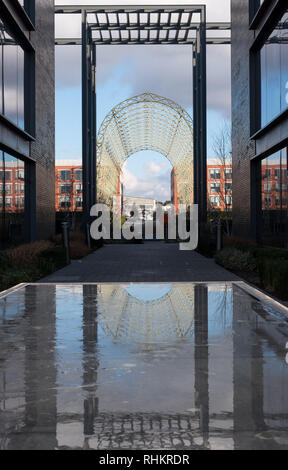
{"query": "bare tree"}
pixel 221 145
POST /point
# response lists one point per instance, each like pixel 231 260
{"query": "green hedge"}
pixel 236 260
pixel 48 262
pixel 273 274
pixel 271 264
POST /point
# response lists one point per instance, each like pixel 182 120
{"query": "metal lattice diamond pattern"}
pixel 170 316
pixel 145 122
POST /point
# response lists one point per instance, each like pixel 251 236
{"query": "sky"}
pixel 125 71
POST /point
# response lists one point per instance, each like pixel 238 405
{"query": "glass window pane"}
pixel 274 73
pixel 274 199
pixel 12 78
pixel 12 201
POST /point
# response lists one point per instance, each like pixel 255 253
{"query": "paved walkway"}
pixel 147 262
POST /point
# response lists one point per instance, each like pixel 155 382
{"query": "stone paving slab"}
pixel 147 262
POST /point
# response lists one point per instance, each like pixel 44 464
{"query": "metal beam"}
pixel 155 26
pixel 77 9
pixel 78 42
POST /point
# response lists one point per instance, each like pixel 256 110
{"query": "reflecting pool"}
pixel 142 366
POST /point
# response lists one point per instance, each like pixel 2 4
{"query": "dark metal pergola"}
pixel 146 25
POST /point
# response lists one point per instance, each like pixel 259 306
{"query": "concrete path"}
pixel 147 262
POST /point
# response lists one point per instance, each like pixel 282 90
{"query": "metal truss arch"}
pixel 145 122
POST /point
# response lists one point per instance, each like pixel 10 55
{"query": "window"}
pixel 12 216
pixel 274 200
pixel 19 202
pixel 267 187
pixel 215 201
pixel 78 202
pixel 78 175
pixel 19 175
pixel 11 78
pixel 228 173
pixel 79 188
pixel 277 201
pixel 215 188
pixel 65 188
pixel 19 188
pixel 5 188
pixel 228 200
pixel 65 202
pixel 274 73
pixel 65 175
pixel 228 188
pixel 215 174
pixel 5 175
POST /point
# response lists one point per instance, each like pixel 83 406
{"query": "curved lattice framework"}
pixel 171 316
pixel 145 122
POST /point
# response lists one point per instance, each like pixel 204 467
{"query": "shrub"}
pixel 12 277
pixel 236 260
pixel 26 255
pixel 78 249
pixel 274 275
pixel 51 260
pixel 271 253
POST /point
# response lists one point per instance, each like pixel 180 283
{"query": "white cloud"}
pixel 157 187
pixel 153 168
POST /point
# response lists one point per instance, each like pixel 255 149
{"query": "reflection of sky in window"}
pixel 274 73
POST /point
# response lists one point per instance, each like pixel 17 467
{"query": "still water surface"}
pixel 139 366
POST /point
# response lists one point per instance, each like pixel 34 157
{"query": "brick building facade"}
pixel 27 121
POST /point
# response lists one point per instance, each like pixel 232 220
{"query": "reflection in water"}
pixel 122 367
pixel 138 313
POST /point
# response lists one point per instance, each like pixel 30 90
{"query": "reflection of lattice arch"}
pixel 128 317
pixel 144 122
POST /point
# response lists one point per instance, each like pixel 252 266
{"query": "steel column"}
pixel 203 111
pixel 94 129
pixel 85 119
pixel 200 119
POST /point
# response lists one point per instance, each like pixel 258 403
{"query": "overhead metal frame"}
pixel 146 25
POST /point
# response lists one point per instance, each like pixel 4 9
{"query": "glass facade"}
pixel 11 78
pixel 274 180
pixel 274 73
pixel 12 200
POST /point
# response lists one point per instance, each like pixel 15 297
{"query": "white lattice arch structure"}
pixel 171 316
pixel 145 122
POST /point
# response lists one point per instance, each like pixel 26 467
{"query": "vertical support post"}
pixel 200 118
pixel 90 359
pixel 90 109
pixel 203 119
pixel 196 125
pixel 94 129
pixel 202 360
pixel 85 137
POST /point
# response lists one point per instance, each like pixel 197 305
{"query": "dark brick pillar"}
pixel 242 148
pixel 43 150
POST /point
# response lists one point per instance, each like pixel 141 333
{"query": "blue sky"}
pixel 125 71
